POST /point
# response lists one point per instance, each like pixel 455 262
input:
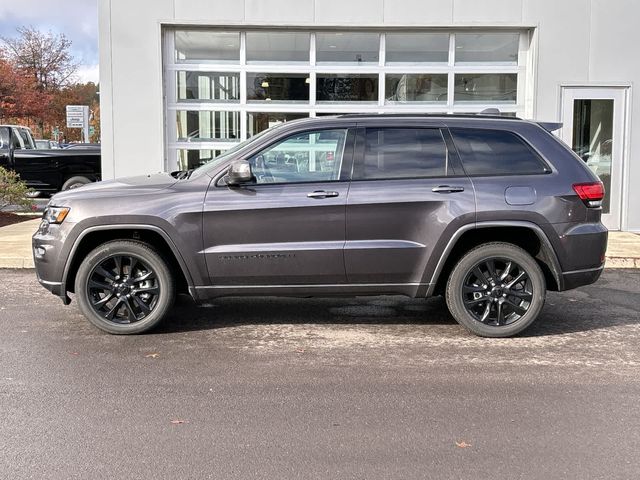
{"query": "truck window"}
pixel 4 138
pixel 26 139
pixel 16 140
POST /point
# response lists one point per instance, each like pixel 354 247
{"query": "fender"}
pixel 546 247
pixel 129 226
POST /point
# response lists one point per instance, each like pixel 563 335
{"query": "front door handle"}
pixel 447 189
pixel 322 194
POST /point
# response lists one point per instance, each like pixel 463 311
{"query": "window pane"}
pixel 203 46
pixel 416 88
pixel 278 87
pixel 487 47
pixel 403 153
pixel 417 47
pixel 305 157
pixel 194 126
pixel 356 48
pixel 208 86
pixel 259 121
pixel 495 152
pixel 188 159
pixel 277 47
pixel 593 139
pixel 346 88
pixel 486 87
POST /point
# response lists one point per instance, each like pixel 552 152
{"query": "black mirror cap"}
pixel 239 173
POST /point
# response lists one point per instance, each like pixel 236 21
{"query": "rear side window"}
pixel 403 153
pixel 496 152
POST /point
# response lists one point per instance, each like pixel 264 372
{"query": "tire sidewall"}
pixel 75 182
pixel 477 255
pixel 144 253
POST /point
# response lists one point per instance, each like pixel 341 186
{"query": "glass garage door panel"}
pixel 593 139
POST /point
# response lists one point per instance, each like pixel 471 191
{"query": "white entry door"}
pixel 594 127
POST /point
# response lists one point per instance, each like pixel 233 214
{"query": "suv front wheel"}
pixel 496 290
pixel 124 287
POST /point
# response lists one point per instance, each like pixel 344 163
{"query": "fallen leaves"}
pixel 152 355
pixel 178 422
pixel 463 444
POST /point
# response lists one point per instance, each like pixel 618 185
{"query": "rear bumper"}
pixel 578 278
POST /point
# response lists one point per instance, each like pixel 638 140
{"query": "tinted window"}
pixel 403 153
pixel 304 157
pixel 495 152
pixel 4 138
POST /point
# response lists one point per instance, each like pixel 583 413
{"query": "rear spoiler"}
pixel 550 126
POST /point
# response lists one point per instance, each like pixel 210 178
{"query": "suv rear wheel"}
pixel 124 287
pixel 496 290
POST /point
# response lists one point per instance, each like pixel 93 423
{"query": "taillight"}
pixel 590 193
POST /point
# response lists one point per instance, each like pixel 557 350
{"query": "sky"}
pixel 77 19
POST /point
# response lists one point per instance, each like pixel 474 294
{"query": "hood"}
pixel 138 185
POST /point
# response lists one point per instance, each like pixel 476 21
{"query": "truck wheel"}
pixel 75 182
pixel 496 290
pixel 124 287
pixel 33 194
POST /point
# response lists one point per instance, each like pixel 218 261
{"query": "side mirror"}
pixel 239 173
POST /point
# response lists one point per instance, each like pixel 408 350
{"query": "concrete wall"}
pixel 575 41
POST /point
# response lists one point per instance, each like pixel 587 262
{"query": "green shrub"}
pixel 13 191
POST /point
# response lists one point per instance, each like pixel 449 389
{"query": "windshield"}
pixel 212 164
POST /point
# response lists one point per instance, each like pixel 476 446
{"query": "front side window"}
pixel 495 152
pixel 4 138
pixel 304 157
pixel 403 153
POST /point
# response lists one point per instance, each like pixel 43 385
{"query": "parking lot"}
pixel 382 387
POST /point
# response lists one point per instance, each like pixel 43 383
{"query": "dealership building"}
pixel 183 80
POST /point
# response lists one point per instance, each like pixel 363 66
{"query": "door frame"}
pixel 625 89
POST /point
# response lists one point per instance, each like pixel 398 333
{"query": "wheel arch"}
pixel 148 234
pixel 526 235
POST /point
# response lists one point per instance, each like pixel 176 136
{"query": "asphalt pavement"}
pixel 364 388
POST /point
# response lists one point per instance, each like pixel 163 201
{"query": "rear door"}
pixel 38 168
pixel 288 228
pixel 406 193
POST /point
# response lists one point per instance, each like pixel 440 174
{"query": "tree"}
pixel 18 96
pixel 42 55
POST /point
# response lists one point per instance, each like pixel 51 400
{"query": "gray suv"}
pixel 489 212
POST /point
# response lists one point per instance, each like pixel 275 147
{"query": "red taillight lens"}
pixel 590 193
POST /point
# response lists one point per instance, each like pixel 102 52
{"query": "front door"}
pixel 288 227
pixel 594 126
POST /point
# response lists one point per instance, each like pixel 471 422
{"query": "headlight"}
pixel 55 214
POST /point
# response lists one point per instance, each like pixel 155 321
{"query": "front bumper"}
pixel 47 246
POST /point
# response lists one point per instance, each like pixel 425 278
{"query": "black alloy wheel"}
pixel 123 289
pixel 497 291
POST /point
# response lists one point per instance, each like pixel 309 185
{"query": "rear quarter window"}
pixel 496 152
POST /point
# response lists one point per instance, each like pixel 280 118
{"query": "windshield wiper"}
pixel 182 174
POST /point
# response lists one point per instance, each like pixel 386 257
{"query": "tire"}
pixel 34 194
pixel 75 182
pixel 503 308
pixel 138 282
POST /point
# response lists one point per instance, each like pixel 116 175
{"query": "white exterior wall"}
pixel 574 42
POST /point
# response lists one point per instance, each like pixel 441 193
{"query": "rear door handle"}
pixel 322 194
pixel 447 189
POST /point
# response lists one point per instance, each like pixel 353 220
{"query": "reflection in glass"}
pixel 593 139
pixel 278 87
pixel 343 47
pixel 188 159
pixel 416 88
pixel 194 126
pixel 207 46
pixel 208 86
pixel 346 88
pixel 486 87
pixel 277 47
pixel 417 47
pixel 304 157
pixel 487 48
pixel 259 121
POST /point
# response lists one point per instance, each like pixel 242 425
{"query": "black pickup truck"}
pixel 49 170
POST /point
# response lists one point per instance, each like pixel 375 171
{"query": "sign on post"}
pixel 78 117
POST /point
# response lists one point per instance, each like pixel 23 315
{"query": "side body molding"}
pixel 546 248
pixel 129 226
